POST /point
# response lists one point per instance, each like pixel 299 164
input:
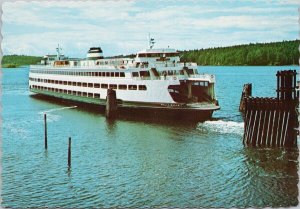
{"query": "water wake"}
pixel 53 117
pixel 56 109
pixel 223 127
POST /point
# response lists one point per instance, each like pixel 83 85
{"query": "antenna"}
pixel 58 51
pixel 151 42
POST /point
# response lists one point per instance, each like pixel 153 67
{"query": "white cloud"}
pixel 246 22
pixel 124 25
pixel 289 2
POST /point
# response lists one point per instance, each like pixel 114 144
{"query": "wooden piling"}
pixel 45 129
pixel 257 142
pixel 250 127
pixel 272 129
pixel 247 126
pixel 111 104
pixel 267 142
pixel 278 128
pixel 247 92
pixel 286 127
pixel 262 139
pixel 282 129
pixel 253 132
pixel 69 153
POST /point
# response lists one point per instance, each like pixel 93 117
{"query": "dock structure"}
pixel 273 122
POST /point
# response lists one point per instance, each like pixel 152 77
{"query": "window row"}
pixel 75 93
pixel 175 54
pixel 91 85
pixel 164 73
pixel 201 83
pixel 66 72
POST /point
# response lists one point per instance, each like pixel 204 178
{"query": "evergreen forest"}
pixel 13 61
pixel 259 54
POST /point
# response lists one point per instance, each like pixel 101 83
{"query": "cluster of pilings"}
pixel 110 113
pixel 287 85
pixel 272 121
pixel 46 141
pixel 269 122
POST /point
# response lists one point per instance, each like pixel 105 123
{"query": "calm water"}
pixel 133 162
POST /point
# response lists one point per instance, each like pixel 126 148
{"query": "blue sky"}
pixel 122 27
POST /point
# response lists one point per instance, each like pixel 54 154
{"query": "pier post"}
pixel 69 153
pixel 111 104
pixel 247 92
pixel 45 127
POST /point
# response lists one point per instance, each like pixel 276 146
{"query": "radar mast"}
pixel 58 52
pixel 151 42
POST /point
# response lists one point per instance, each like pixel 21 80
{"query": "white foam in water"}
pixel 57 109
pixel 50 117
pixel 224 127
pixel 53 117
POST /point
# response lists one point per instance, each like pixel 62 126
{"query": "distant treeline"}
pixel 277 53
pixel 12 61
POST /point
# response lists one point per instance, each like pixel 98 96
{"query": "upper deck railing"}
pixel 117 67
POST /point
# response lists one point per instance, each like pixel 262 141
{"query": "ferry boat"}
pixel 154 82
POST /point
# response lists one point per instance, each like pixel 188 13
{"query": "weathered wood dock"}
pixel 273 121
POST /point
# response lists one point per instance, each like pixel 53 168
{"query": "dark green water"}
pixel 136 162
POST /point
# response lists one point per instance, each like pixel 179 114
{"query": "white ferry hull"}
pixel 193 113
